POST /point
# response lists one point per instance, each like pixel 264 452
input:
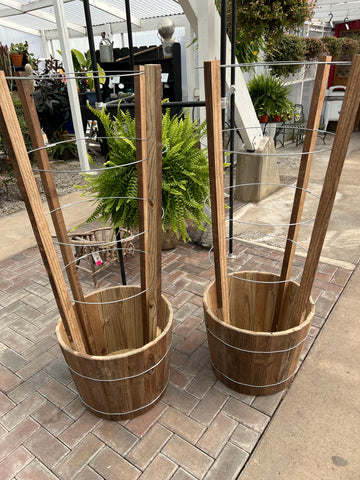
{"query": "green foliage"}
pixel 270 96
pixel 21 48
pixel 24 129
pixel 269 19
pixel 185 178
pixel 83 66
pixel 265 20
pixel 334 47
pixel 5 63
pixel 349 47
pixel 62 146
pixel 248 51
pixel 313 48
pixel 288 48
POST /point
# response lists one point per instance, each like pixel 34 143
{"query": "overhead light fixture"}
pixel 346 19
pixel 330 20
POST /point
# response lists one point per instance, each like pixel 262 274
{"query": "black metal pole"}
pixel 223 56
pixel 92 49
pixel 232 126
pixel 130 38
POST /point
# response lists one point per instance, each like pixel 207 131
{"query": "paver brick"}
pixel 46 448
pixel 57 393
pixel 141 424
pixel 188 457
pixel 68 467
pixel 88 474
pixel 60 371
pixel 245 437
pixel 113 467
pixel 17 436
pixel 192 342
pixel 14 462
pixel 209 406
pixel 228 464
pixel 79 429
pixel 35 365
pixel 217 435
pixel 202 383
pixel 5 404
pixel 35 471
pixel 52 418
pixel 268 403
pixel 182 425
pixel 180 399
pixel 17 342
pixel 182 475
pixel 21 411
pixel 179 378
pixel 160 469
pixel 28 387
pixel 12 360
pixel 8 380
pixel 147 448
pixel 246 415
pixel 116 436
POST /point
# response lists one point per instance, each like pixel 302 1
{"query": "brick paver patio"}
pixel 199 429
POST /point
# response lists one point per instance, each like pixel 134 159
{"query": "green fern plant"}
pixel 185 177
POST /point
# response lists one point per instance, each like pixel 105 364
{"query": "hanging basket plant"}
pixel 289 48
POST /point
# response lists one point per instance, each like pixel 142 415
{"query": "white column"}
pixel 71 84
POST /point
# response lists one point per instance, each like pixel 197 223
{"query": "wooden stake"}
pixel 154 154
pixel 311 134
pixel 337 158
pixel 30 194
pixel 142 181
pixel 216 171
pixel 95 340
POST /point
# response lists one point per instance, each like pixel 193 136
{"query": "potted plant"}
pixel 270 96
pixel 84 74
pixel 185 177
pixel 20 55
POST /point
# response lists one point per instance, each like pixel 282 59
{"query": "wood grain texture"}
pixel 30 194
pixel 94 340
pixel 154 155
pixel 263 369
pixel 122 323
pixel 142 182
pixel 331 181
pixel 216 173
pixel 311 135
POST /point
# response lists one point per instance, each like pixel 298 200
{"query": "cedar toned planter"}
pixel 246 356
pixel 129 377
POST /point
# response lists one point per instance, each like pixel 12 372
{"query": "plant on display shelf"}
pixel 270 96
pixel 185 178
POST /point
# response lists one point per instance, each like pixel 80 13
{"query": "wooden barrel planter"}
pixel 126 378
pixel 246 355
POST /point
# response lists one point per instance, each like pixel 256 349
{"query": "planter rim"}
pixel 252 332
pixel 108 358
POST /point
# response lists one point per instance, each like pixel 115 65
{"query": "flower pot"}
pixel 264 118
pixel 126 378
pixel 277 118
pixel 16 59
pixel 246 355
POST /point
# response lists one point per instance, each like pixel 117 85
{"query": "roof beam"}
pixel 17 8
pixel 16 26
pixel 117 12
